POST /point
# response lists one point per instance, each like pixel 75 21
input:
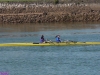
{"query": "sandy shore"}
pixel 33 13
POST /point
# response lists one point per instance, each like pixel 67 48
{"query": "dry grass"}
pixel 52 1
pixel 51 13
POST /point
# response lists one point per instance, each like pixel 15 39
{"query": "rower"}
pixel 42 39
pixel 58 38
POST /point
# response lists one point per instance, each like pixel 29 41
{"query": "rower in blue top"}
pixel 58 38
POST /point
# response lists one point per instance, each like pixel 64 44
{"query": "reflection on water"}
pixel 14 30
pixel 45 26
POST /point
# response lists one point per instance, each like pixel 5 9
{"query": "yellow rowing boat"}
pixel 50 44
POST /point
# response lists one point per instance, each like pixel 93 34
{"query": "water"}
pixel 52 60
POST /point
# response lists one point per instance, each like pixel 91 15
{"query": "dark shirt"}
pixel 42 39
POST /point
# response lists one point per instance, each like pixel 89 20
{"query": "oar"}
pixel 65 40
pixel 76 41
pixel 48 41
pixel 51 42
pixel 71 41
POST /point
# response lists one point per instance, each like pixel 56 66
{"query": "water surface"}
pixel 52 60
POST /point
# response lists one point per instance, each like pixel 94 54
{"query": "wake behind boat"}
pixel 67 43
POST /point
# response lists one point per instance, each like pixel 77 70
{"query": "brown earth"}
pixel 54 13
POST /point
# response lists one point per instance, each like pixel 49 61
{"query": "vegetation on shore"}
pixel 54 1
pixel 33 11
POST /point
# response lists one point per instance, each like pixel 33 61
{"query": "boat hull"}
pixel 50 44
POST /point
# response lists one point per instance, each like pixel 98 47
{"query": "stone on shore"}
pixel 33 13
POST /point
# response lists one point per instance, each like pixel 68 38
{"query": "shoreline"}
pixel 47 13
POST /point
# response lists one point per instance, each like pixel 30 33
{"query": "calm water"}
pixel 52 60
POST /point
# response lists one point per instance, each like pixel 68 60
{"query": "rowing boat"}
pixel 71 43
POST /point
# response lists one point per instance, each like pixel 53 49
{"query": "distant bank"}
pixel 41 13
